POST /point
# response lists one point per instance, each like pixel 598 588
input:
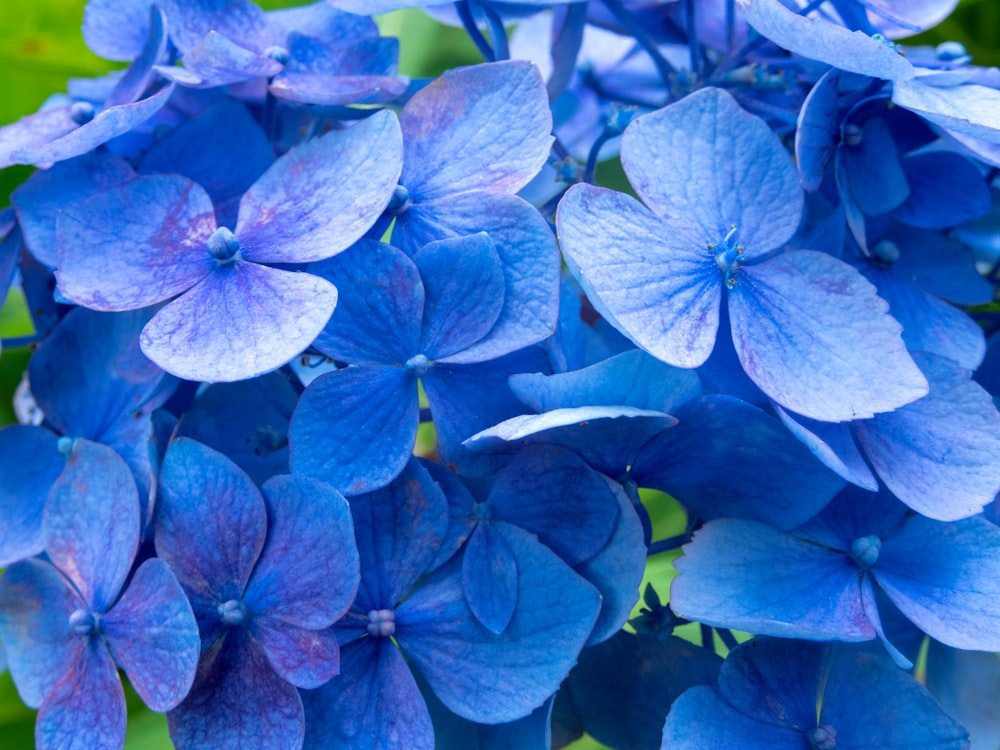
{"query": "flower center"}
pixel 728 253
pixel 83 622
pixel 381 623
pixel 823 738
pixel 82 112
pixel 223 246
pixel 400 201
pixel 418 364
pixel 233 612
pixel 885 253
pixel 865 550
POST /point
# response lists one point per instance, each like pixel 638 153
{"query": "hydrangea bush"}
pixel 355 398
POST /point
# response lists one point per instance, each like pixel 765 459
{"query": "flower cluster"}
pixel 260 264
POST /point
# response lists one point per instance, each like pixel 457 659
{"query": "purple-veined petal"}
pixel 110 123
pixel 355 428
pixel 815 337
pixel 488 677
pixel 191 20
pixel 969 110
pixel 702 718
pixel 463 293
pixel 481 127
pixel 704 164
pixel 489 577
pixel 218 61
pixel 242 320
pixel 380 305
pixel 320 197
pixel 823 40
pixel 31 464
pixel 35 606
pixel 373 705
pixel 153 235
pixel 336 91
pixel 39 199
pixel 528 253
pixel 307 574
pixel 153 635
pixel 939 455
pixel 238 702
pixel 86 708
pixel 306 658
pixel 946 579
pixel 210 525
pixel 656 288
pixel 91 523
pixel 750 576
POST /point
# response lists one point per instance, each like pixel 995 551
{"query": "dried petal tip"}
pixel 381 623
pixel 233 612
pixel 82 622
pixel 823 738
pixel 223 246
pixel 865 551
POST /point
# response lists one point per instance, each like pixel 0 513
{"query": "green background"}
pixel 41 47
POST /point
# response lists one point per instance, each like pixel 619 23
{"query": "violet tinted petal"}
pixel 31 464
pixel 306 658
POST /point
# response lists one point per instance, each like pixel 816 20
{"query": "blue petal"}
pixel 242 320
pixel 945 190
pixel 492 678
pixel 956 419
pixel 210 525
pixel 940 265
pixel 399 530
pixel 657 288
pixel 223 149
pixel 528 252
pixel 238 703
pixel 701 718
pixel 489 578
pixel 631 378
pixel 965 683
pixel 750 576
pixel 91 523
pixel 815 337
pixel 305 658
pixel 728 458
pixel 39 200
pixel 817 131
pixel 482 127
pixel 34 130
pixel 31 464
pixel 550 492
pixel 217 61
pixel 36 603
pixel 872 171
pixel 320 197
pixel 833 444
pixel 373 705
pixel 862 717
pixel 307 574
pixel 108 124
pixel 191 20
pixel 616 571
pixel 116 29
pixel 946 579
pixel 355 428
pixel 336 91
pixel 969 110
pixel 704 164
pixel 380 305
pixel 464 287
pixel 823 40
pixel 152 632
pixel 86 708
pixel 153 232
pixel 646 673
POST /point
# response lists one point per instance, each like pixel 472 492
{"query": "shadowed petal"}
pixel 31 464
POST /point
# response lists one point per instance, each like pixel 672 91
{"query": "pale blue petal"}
pixel 659 290
pixel 833 444
pixel 116 29
pixel 320 197
pixel 704 165
pixel 482 127
pixel 815 337
pixel 242 320
pixel 970 110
